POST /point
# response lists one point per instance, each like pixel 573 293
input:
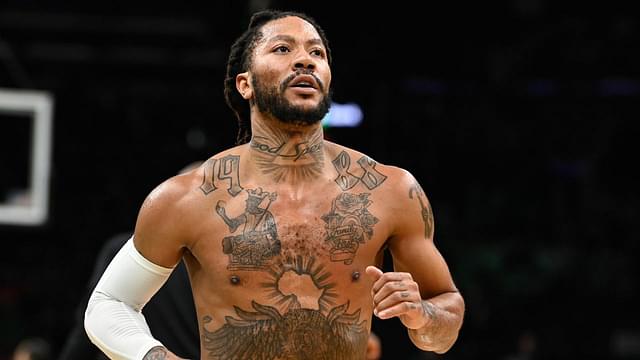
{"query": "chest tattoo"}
pixel 258 242
pixel 303 323
pixel 348 224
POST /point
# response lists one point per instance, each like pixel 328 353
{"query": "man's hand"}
pixel 397 294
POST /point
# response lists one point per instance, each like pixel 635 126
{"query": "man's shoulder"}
pixel 177 186
pixel 367 168
pixel 190 178
pixel 232 151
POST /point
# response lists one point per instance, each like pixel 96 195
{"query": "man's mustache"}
pixel 299 72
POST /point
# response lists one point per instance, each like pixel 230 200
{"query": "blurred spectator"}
pixel 525 348
pixel 374 347
pixel 33 348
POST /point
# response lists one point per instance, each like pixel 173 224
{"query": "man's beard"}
pixel 270 99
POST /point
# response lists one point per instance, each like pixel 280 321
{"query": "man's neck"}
pixel 287 153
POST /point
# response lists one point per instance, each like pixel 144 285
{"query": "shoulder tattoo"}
pixel 368 174
pixel 219 170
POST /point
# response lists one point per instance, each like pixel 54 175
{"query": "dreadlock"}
pixel 240 59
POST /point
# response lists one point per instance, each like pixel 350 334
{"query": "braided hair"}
pixel 240 59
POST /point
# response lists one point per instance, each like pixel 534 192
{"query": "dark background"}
pixel 517 117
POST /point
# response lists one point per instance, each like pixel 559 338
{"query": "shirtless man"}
pixel 283 236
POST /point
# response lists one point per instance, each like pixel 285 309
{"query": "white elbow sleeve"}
pixel 113 319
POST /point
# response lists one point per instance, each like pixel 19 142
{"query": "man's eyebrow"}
pixel 286 38
pixel 315 41
pixel 291 39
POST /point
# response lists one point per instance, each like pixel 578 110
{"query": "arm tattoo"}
pixel 427 214
pixel 348 225
pixel 370 176
pixel 435 327
pixel 429 309
pixel 156 353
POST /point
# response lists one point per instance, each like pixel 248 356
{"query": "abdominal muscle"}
pixel 292 309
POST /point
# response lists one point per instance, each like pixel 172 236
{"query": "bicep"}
pixel 412 246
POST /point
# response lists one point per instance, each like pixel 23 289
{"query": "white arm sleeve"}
pixel 113 319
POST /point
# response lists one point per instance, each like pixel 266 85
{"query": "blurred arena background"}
pixel 518 117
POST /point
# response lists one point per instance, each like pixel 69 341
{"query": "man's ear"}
pixel 243 84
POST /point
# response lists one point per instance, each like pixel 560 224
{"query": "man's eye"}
pixel 317 52
pixel 282 49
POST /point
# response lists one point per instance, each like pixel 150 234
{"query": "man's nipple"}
pixel 355 276
pixel 234 280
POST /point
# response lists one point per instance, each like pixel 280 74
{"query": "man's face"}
pixel 290 73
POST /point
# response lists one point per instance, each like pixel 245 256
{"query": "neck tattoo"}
pixel 287 159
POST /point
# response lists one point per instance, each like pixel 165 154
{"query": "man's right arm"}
pixel 113 319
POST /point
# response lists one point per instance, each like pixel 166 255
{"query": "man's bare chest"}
pixel 253 228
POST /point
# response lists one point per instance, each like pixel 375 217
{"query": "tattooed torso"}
pixel 278 273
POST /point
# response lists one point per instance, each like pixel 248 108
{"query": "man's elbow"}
pixel 90 315
pixel 448 330
pixel 457 305
pixel 447 345
pixel 457 314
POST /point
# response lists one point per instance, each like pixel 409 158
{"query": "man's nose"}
pixel 304 62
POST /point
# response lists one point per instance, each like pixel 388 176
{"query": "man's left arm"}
pixel 420 291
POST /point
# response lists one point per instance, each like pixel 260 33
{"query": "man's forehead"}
pixel 291 27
